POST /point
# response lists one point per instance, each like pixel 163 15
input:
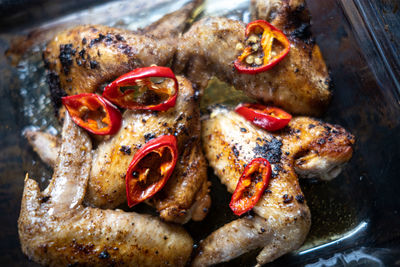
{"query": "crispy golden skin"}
pixel 299 83
pixel 282 218
pixel 56 230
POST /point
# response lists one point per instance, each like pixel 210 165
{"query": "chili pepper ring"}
pixel 150 168
pixel 93 113
pixel 258 55
pixel 139 89
pixel 252 184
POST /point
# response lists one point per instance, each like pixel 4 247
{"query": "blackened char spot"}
pixel 119 37
pixel 56 92
pixel 96 40
pixel 104 255
pixel 45 199
pixel 302 32
pixel 235 151
pixel 275 170
pixel 125 149
pixel 82 53
pixel 270 150
pixel 66 55
pixel 93 64
pixel 126 49
pixel 109 38
pixel 287 198
pixel 149 136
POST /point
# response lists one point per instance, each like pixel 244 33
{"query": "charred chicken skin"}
pixel 55 229
pixel 299 83
pixel 282 218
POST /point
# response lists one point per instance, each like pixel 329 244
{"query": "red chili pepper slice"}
pixel 259 55
pixel 251 186
pixel 269 118
pixel 150 168
pixel 152 88
pixel 93 113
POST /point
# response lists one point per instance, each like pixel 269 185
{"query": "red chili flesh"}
pixel 152 88
pixel 269 118
pixel 150 169
pixel 93 113
pixel 261 52
pixel 251 186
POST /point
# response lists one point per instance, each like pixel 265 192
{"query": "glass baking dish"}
pixel 355 218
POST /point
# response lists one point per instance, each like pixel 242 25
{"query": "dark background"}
pixel 360 41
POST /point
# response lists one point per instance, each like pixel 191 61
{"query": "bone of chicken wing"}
pixel 56 230
pixel 83 58
pixel 282 218
pixel 299 83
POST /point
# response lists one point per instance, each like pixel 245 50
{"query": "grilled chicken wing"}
pixel 83 58
pixel 106 187
pixel 56 230
pixel 185 195
pixel 282 218
pixel 299 83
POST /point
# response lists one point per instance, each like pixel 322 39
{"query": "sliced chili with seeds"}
pixel 152 88
pixel 261 52
pixel 93 113
pixel 150 168
pixel 251 186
